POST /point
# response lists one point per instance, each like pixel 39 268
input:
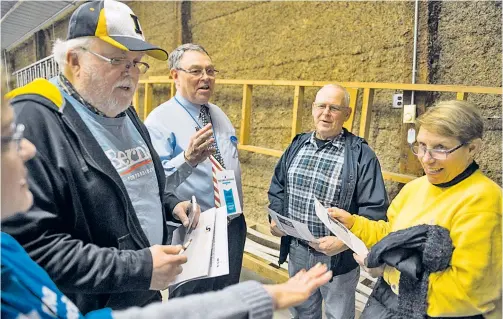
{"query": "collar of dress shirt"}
pixel 192 108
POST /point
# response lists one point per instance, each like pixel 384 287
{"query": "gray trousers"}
pixel 339 295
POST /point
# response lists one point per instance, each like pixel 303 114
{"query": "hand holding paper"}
pixel 275 231
pixel 207 253
pixel 340 230
pixel 292 227
pixel 192 220
pixel 166 265
pixel 182 211
pixel 329 245
pixel 343 216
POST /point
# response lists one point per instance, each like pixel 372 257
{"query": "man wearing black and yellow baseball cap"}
pixel 114 23
pixel 98 225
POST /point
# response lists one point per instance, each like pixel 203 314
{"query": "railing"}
pixel 45 68
pixel 354 89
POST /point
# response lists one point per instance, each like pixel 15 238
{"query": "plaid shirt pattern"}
pixel 315 172
pixel 70 90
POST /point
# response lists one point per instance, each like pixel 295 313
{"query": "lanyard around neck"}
pixel 195 121
pixel 193 118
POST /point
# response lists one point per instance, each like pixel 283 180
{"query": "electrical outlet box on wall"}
pixel 397 100
pixel 409 113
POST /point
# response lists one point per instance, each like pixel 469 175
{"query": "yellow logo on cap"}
pixel 92 9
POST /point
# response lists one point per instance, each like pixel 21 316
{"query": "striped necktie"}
pixel 217 162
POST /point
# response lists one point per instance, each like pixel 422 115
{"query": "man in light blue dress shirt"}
pixel 185 131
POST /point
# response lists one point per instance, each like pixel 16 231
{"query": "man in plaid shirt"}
pixel 340 170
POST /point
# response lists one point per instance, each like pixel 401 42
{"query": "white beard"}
pixel 96 92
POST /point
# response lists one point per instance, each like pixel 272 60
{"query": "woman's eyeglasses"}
pixel 438 154
pixel 16 137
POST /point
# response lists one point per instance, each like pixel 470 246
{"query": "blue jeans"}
pixel 339 295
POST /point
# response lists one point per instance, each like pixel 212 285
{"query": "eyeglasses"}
pixel 199 72
pixel 438 154
pixel 142 66
pixel 331 107
pixel 16 137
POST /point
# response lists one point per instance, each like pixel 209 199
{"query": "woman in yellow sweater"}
pixel 455 195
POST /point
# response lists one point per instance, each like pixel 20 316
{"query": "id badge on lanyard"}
pixel 228 191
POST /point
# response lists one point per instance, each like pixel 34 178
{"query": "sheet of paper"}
pixel 220 254
pixel 339 230
pixel 292 227
pixel 199 252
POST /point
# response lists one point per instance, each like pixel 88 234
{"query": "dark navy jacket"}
pixel 362 193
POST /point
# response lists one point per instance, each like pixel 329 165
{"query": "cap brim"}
pixel 139 45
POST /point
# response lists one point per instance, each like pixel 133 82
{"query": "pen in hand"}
pixel 194 204
pixel 192 214
pixel 185 246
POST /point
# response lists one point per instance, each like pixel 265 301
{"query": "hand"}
pixel 298 288
pixel 329 245
pixel 343 216
pixel 275 230
pixel 166 265
pixel 182 211
pixel 374 272
pixel 200 146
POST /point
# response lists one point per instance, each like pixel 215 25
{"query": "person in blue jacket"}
pixel 27 291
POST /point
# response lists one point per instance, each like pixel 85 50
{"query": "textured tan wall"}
pixel 305 40
pixel 159 23
pixel 469 40
pixel 459 43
